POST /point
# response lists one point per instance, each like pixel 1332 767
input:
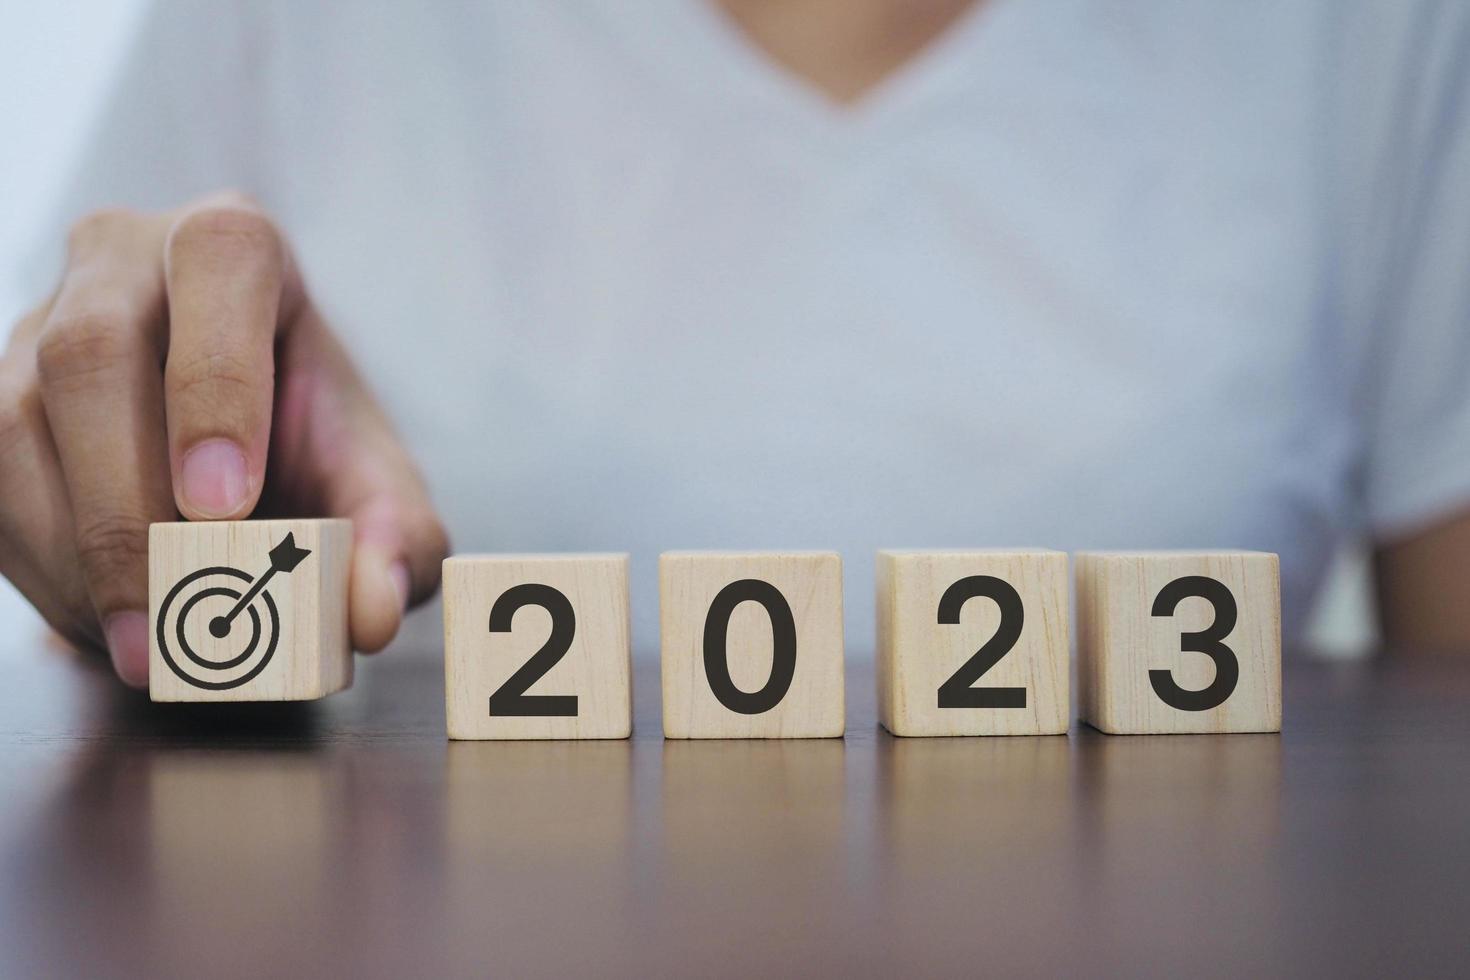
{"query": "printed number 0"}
pixel 783 646
pixel 511 700
pixel 1208 641
pixel 957 692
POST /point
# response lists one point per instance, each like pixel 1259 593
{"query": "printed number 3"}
pixel 1209 641
pixel 957 692
pixel 511 700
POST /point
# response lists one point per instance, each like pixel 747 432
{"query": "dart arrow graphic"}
pixel 284 557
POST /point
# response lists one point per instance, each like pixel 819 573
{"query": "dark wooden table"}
pixel 348 838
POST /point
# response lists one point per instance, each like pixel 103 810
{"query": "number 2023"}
pixel 957 692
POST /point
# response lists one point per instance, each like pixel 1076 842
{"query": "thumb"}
pixel 337 454
pixel 398 548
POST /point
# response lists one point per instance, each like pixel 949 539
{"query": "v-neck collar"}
pixel 712 59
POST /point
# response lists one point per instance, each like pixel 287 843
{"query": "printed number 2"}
pixel 511 700
pixel 957 692
pixel 1207 641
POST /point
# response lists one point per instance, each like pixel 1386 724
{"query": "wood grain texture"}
pixel 917 653
pixel 377 849
pixel 596 668
pixel 312 656
pixel 1120 641
pixel 814 706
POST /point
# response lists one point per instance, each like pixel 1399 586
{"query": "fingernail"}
pixel 127 643
pixel 215 479
pixel 398 571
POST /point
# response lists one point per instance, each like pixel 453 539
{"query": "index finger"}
pixel 231 285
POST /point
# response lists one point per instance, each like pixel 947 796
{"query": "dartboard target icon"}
pixel 219 627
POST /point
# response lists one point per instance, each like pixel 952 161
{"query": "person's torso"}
pixel 626 287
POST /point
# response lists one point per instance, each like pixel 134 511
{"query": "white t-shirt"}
pixel 1086 274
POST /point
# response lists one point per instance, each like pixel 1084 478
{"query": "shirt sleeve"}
pixel 180 119
pixel 1405 276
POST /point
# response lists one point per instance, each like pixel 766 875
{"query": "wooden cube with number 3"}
pixel 752 644
pixel 537 646
pixel 1179 641
pixel 973 642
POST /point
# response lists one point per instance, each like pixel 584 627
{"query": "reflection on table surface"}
pixel 350 837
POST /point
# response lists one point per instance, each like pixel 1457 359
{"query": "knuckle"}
pixel 81 343
pixel 98 227
pixel 112 547
pixel 230 230
pixel 220 378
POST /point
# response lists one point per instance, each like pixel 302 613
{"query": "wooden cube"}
pixel 537 646
pixel 752 644
pixel 1179 641
pixel 973 642
pixel 248 610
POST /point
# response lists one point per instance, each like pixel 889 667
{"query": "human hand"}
pixel 180 368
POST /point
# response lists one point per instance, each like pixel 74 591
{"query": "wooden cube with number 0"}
pixel 537 646
pixel 973 642
pixel 752 644
pixel 1178 642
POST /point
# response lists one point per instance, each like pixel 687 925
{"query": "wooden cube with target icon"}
pixel 248 610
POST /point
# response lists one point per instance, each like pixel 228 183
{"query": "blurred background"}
pixel 55 64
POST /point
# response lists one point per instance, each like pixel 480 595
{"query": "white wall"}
pixel 55 61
